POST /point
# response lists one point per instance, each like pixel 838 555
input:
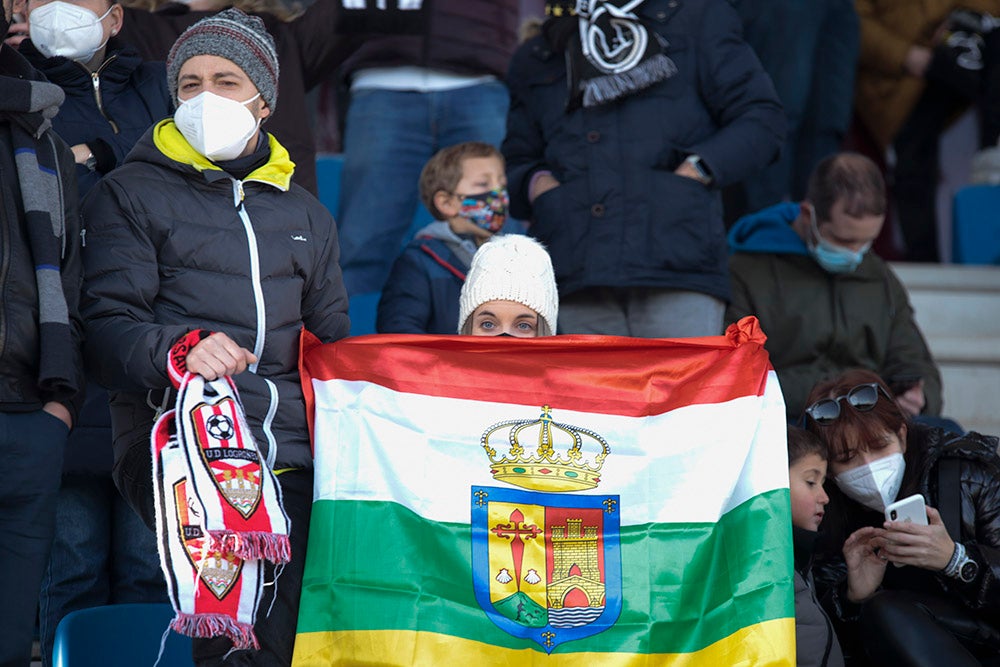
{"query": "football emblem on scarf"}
pixel 216 570
pixel 220 427
pixel 235 467
pixel 546 564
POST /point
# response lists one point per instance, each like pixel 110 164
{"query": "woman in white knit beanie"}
pixel 510 290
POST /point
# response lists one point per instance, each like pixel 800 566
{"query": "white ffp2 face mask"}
pixel 876 484
pixel 64 29
pixel 217 127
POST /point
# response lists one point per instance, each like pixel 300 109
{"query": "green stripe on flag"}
pixel 379 566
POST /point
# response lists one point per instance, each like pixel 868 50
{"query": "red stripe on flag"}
pixel 604 374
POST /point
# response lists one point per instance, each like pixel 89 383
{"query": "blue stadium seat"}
pixel 121 635
pixel 328 169
pixel 976 225
pixel 363 310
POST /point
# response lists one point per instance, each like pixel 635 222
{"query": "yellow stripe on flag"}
pixel 762 644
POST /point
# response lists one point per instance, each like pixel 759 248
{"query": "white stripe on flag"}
pixel 424 452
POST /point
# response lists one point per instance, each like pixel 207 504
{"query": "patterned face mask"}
pixel 487 210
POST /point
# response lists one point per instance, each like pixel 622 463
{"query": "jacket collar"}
pixel 120 61
pixel 169 141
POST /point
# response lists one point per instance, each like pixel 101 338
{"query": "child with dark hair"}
pixel 465 188
pixel 815 639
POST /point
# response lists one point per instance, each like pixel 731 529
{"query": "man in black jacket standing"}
pixel 40 334
pixel 204 257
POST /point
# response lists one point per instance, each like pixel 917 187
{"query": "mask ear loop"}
pixel 105 42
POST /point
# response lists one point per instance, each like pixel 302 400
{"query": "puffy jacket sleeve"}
pixel 981 497
pixel 523 146
pixel 324 297
pixel 907 353
pixel 125 349
pixel 739 95
pixel 796 375
pixel 405 306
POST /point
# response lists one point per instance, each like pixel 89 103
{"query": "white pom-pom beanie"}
pixel 511 267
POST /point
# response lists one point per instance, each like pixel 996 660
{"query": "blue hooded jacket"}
pixel 768 231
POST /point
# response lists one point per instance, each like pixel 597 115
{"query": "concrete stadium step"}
pixel 958 309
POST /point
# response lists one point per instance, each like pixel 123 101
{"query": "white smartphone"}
pixel 908 509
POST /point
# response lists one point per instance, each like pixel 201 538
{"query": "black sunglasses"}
pixel 862 398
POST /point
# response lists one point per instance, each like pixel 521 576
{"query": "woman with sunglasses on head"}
pixel 939 604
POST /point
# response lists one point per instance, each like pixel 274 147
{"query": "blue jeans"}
pixel 388 138
pixel 102 554
pixel 810 49
pixel 31 454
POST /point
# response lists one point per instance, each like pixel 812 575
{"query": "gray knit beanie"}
pixel 512 267
pixel 233 35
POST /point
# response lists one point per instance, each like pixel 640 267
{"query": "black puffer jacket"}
pixel 979 473
pixel 621 217
pixel 175 244
pixel 110 109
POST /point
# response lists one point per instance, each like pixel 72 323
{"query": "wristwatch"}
pixel 91 162
pixel 704 173
pixel 961 566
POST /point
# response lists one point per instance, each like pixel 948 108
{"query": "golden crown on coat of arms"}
pixel 556 465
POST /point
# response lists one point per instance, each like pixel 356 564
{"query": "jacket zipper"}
pixel 258 297
pixel 95 78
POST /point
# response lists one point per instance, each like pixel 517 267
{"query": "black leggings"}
pixel 912 629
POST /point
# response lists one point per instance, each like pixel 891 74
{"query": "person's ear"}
pixel 902 437
pixel 264 111
pixel 803 222
pixel 446 203
pixel 117 17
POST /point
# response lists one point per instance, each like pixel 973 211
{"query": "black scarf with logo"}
pixel 610 51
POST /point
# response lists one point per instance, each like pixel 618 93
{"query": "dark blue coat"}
pixel 421 295
pixel 133 95
pixel 621 217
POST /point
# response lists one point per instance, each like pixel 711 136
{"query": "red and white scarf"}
pixel 218 512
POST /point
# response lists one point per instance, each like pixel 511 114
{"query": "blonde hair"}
pixel 444 170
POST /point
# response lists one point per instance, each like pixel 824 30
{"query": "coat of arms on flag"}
pixel 561 501
pixel 546 566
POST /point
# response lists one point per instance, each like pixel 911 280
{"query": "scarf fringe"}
pixel 206 626
pixel 253 545
pixel 603 89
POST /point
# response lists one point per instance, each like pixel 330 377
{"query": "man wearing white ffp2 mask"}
pixel 225 81
pixel 220 110
pixel 218 127
pixel 77 30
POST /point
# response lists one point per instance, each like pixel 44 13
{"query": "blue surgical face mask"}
pixel 832 257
